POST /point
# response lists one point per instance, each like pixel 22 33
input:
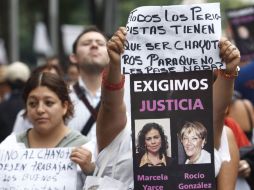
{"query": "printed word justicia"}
pixel 171 105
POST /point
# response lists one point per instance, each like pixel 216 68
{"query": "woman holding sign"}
pixel 114 138
pixel 48 107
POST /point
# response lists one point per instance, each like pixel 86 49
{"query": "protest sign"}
pixel 170 54
pixel 172 101
pixel 172 38
pixel 241 21
pixel 37 169
pixel 163 39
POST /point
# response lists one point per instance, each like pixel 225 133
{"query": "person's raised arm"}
pixel 223 86
pixel 112 113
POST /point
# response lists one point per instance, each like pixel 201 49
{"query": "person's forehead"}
pixel 152 131
pixel 93 36
pixel 42 92
pixel 190 131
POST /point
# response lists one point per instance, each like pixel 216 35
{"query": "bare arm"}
pixel 223 87
pixel 112 114
pixel 229 170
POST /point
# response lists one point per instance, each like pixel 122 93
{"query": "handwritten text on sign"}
pixel 37 169
pixel 172 38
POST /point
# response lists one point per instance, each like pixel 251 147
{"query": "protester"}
pixel 240 120
pixel 112 135
pixel 16 76
pixel 72 73
pixel 241 110
pixel 48 107
pixel 152 146
pixel 193 137
pixel 21 123
pixel 244 83
pixel 4 87
pixel 90 54
pixel 246 162
pixel 226 179
pixel 55 69
pixel 53 60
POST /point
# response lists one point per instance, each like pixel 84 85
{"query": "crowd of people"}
pixel 85 108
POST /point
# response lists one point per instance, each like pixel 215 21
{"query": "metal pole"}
pixel 14 30
pixel 110 16
pixel 53 23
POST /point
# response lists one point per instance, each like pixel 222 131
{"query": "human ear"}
pixel 65 107
pixel 73 58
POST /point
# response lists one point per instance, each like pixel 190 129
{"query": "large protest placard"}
pixel 37 169
pixel 172 38
pixel 172 120
pixel 241 21
pixel 170 54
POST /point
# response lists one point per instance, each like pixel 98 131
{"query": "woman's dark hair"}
pixel 54 83
pixel 141 139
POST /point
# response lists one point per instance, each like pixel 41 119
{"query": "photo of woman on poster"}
pixel 152 146
pixel 193 136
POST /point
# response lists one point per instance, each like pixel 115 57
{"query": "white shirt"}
pixel 81 112
pixel 205 157
pixel 120 163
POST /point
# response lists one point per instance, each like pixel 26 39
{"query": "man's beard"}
pixel 92 68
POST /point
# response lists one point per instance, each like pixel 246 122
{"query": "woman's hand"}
pixel 230 55
pixel 223 86
pixel 244 169
pixel 83 158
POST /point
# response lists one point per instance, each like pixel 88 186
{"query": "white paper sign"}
pixel 37 169
pixel 172 38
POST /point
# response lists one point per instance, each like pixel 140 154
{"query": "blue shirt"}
pixel 244 83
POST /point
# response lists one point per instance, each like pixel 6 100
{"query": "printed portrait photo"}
pixel 153 142
pixel 192 138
